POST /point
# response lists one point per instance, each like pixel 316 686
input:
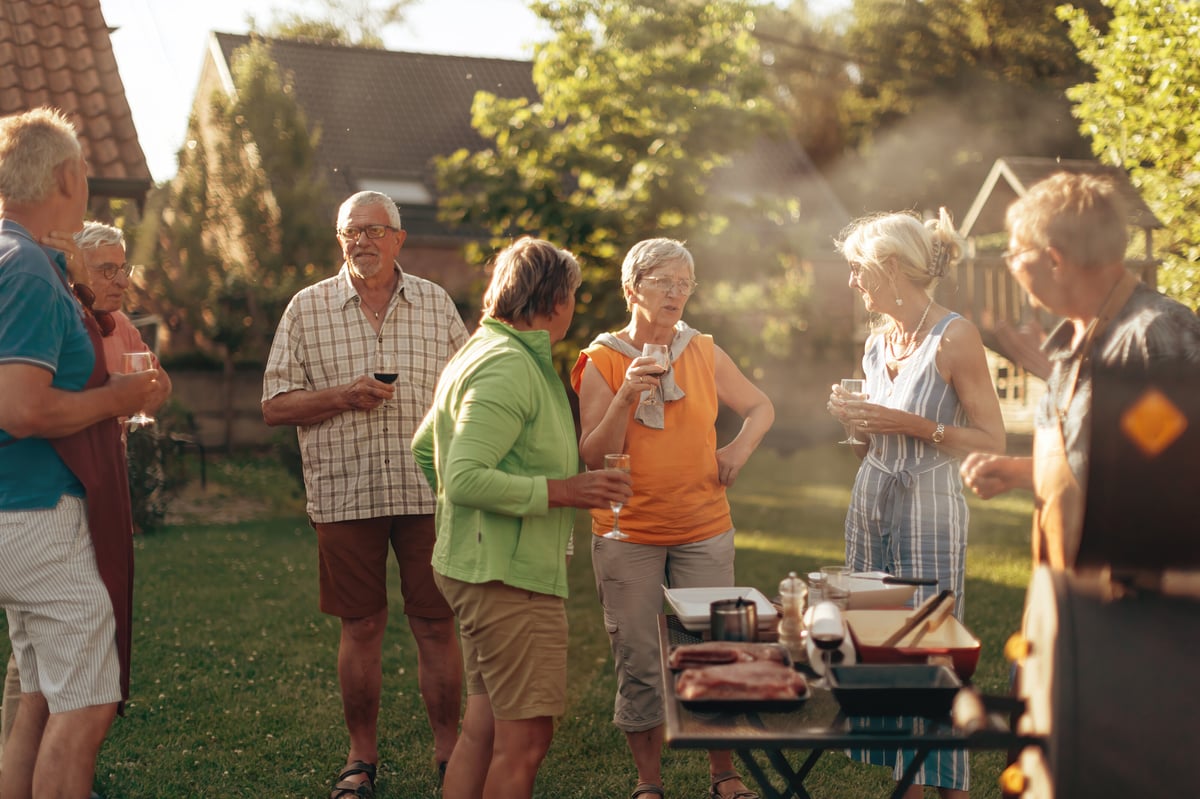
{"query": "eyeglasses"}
pixel 109 271
pixel 372 231
pixel 856 268
pixel 667 285
pixel 1010 255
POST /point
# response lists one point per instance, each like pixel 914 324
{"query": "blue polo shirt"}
pixel 41 325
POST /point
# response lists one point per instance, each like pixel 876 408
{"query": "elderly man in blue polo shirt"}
pixel 65 547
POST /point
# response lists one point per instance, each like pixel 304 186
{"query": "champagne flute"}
pixel 137 362
pixel 661 354
pixel 620 462
pixel 853 385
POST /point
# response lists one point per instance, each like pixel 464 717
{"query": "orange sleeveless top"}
pixel 677 496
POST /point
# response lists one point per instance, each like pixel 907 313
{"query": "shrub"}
pixel 156 470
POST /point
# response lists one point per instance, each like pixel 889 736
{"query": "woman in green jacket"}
pixel 499 449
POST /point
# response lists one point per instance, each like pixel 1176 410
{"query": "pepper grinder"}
pixel 792 596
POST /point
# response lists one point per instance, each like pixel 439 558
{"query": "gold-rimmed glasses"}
pixel 666 285
pixel 372 231
pixel 1010 255
pixel 109 270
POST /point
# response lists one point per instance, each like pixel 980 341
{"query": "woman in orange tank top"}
pixel 677 526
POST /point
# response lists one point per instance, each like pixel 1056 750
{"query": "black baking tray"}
pixel 895 689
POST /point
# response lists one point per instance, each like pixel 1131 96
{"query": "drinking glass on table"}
pixel 137 362
pixel 661 353
pixel 837 585
pixel 854 385
pixel 620 462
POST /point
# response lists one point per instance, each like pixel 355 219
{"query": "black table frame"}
pixel 817 727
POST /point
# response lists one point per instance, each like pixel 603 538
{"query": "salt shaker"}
pixel 792 596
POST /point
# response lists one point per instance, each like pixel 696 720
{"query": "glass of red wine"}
pixel 387 369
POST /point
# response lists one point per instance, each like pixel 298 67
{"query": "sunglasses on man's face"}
pixel 372 231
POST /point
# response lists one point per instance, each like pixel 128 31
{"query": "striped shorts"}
pixel 60 618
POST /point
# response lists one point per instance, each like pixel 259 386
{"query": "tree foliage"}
pixel 640 106
pixel 238 231
pixel 349 22
pixel 1141 113
pixel 941 88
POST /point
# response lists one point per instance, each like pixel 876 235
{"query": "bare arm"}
pixel 31 407
pixel 736 391
pixel 962 363
pixel 305 407
pixel 604 414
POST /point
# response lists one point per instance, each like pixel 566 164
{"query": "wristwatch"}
pixel 939 434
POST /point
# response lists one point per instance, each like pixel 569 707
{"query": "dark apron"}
pixel 96 457
pixel 1058 511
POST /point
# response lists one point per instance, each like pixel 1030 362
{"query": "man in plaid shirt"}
pixel 353 366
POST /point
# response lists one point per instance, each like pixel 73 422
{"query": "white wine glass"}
pixel 137 362
pixel 853 385
pixel 620 462
pixel 661 353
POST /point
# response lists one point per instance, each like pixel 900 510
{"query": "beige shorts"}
pixel 514 644
pixel 60 618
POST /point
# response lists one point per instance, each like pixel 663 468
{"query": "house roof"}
pixel 58 53
pixel 1011 177
pixel 383 115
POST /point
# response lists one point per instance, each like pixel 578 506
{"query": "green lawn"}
pixel 234 683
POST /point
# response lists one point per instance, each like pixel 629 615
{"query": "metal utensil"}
pixel 891 579
pixel 922 613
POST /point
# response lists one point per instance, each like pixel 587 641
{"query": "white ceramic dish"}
pixel 868 593
pixel 691 605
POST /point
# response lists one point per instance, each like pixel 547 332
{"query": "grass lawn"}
pixel 234 683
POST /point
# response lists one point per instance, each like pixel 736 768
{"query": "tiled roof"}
pixel 58 53
pixel 383 115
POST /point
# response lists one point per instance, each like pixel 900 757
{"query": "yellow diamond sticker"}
pixel 1153 423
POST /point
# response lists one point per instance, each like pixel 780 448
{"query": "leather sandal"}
pixel 646 789
pixel 359 790
pixel 726 776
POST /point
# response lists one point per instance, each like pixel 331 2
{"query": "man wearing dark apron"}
pixel 1066 248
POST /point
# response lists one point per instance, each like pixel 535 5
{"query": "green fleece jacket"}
pixel 499 427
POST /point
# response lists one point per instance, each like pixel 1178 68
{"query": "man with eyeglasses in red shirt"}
pixel 353 366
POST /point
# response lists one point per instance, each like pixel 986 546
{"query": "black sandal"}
pixel 360 790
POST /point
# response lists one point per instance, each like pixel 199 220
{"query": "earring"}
pixel 899 301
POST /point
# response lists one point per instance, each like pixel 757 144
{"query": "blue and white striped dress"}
pixel 908 515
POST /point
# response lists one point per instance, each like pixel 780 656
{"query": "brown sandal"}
pixel 359 790
pixel 726 776
pixel 646 789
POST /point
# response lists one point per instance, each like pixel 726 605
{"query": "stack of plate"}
pixel 691 606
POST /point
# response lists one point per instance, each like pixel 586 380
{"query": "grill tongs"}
pixel 928 616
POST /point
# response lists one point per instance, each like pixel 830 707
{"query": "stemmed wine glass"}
pixel 827 634
pixel 620 462
pixel 661 353
pixel 853 385
pixel 137 362
pixel 387 369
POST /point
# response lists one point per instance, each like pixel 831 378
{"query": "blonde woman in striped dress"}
pixel 929 401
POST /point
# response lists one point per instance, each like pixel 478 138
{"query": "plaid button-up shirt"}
pixel 357 465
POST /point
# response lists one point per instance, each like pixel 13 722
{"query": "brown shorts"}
pixel 354 559
pixel 514 645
